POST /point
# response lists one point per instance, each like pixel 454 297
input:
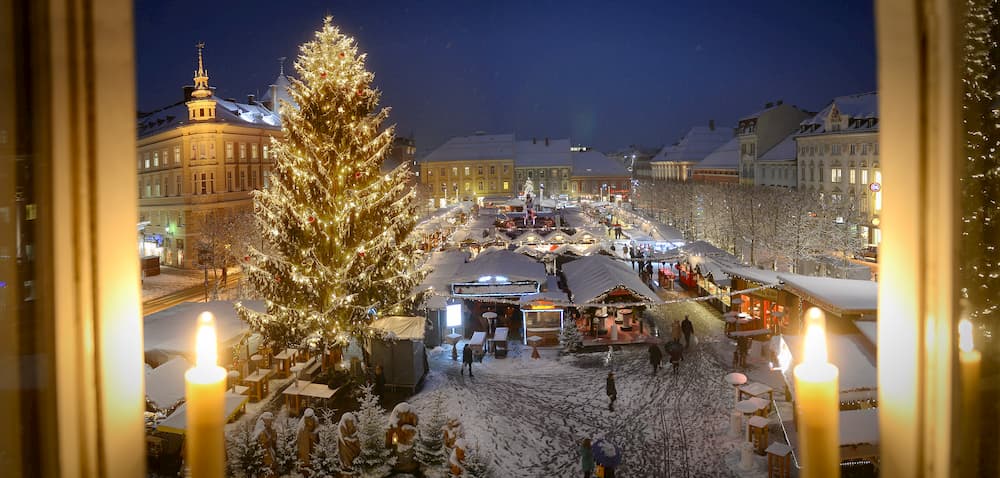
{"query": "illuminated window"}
pixel 243 151
pixel 177 155
pixel 253 151
pixel 229 150
pixel 853 176
pixel 506 186
pixel 229 180
pixel 266 151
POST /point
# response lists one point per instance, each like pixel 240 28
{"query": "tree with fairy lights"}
pixel 336 229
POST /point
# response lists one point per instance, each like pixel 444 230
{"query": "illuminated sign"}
pixel 453 315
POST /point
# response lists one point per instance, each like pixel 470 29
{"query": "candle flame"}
pixel 205 346
pixel 965 336
pixel 815 341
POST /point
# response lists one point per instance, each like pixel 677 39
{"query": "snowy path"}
pixel 528 415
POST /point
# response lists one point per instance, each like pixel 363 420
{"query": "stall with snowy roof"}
pixel 598 282
pixel 544 313
pixel 436 287
pixel 492 283
pixel 760 301
pixel 842 300
pixel 712 280
pixel 400 350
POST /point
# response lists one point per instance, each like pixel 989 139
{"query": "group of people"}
pixel 673 348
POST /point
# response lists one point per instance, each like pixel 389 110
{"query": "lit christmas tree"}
pixel 336 228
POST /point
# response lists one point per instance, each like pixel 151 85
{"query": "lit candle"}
pixel 969 359
pixel 205 386
pixel 818 400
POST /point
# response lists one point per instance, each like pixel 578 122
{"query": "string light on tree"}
pixel 352 251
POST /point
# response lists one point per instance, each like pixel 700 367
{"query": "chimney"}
pixel 768 105
pixel 780 102
pixel 534 140
pixel 251 99
pixel 546 141
pixel 711 125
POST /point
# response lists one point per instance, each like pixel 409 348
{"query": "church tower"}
pixel 201 106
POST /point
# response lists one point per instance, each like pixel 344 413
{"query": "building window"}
pixel 864 176
pixel 854 149
pixel 505 169
pixel 836 175
pixel 229 180
pixel 243 180
pixel 467 171
pixel 156 188
pixel 253 151
pixel 253 179
pixel 229 150
pixel 145 159
pixel 876 149
pixel 156 159
pixel 541 174
pixel 267 179
pixel 194 183
pixel 529 175
pixel 864 148
pixel 852 179
pixel 479 170
pixel 211 182
pixel 506 186
pixel 177 155
pixel 148 189
pixel 204 183
pixel 454 171
pixel 468 186
pixel 565 174
pixel 243 151
pixel 480 185
pixel 178 181
pixel 430 173
pixel 836 149
pixel 266 152
pixel 493 170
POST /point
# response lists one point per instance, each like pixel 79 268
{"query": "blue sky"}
pixel 605 74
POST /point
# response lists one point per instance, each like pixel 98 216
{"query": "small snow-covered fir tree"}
pixel 431 453
pixel 286 447
pixel 244 455
pixel 326 454
pixel 337 228
pixel 570 337
pixel 477 465
pixel 376 459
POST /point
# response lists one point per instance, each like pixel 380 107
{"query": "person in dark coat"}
pixel 688 328
pixel 676 353
pixel 467 359
pixel 379 381
pixel 655 357
pixel 742 347
pixel 611 390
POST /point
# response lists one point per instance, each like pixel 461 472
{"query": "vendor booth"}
pixel 401 351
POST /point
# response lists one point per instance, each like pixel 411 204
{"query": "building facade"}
pixel 720 166
pixel 838 157
pixel 467 167
pixel 596 176
pixel 777 167
pixel 547 163
pixel 675 162
pixel 197 157
pixel 763 130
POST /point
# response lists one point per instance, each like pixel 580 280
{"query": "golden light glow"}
pixel 205 341
pixel 815 341
pixel 965 336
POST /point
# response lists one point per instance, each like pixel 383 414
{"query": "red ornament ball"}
pixel 246 258
pixel 341 54
pixel 360 92
pixel 322 75
pixel 312 219
pixel 357 175
pixel 362 253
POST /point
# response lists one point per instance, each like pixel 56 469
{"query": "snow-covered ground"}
pixel 171 280
pixel 528 415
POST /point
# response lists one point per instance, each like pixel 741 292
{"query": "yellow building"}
pixel 201 155
pixel 468 167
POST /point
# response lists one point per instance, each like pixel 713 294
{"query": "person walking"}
pixel 467 359
pixel 676 353
pixel 688 328
pixel 675 330
pixel 586 458
pixel 655 357
pixel 612 392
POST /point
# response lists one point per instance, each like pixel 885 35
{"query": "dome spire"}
pixel 201 89
pixel 281 62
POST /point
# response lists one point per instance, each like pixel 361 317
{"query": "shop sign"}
pixel 487 289
pixel 153 239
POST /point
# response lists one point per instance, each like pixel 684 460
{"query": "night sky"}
pixel 603 74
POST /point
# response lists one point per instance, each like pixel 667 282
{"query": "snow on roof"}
pixel 860 106
pixel 726 156
pixel 443 266
pixel 702 248
pixel 400 328
pixel 760 276
pixel 551 293
pixel 476 147
pixel 177 421
pixel 698 143
pixel 165 384
pixel 869 329
pixel 535 153
pixel 595 163
pixel 590 278
pixel 707 266
pixel 859 427
pixel 226 112
pixel 756 114
pixel 840 296
pixel 783 151
pixel 281 84
pixel 172 330
pixel 506 263
pixel 856 366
